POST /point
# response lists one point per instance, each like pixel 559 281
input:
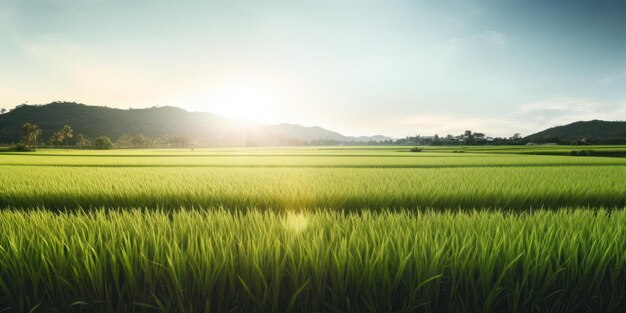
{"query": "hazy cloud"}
pixel 443 124
pixel 560 105
pixel 85 72
pixel 560 111
pixel 613 79
pixel 495 37
pixel 526 119
pixel 486 38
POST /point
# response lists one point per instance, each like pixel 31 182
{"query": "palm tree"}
pixel 67 134
pixel 30 135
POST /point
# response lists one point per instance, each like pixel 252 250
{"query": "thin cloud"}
pixel 610 80
pixel 496 37
pixel 487 37
pixel 561 104
pixel 526 119
pixel 561 111
pixel 442 124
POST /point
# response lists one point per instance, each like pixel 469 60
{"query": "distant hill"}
pixel 203 128
pixel 595 131
pixel 314 133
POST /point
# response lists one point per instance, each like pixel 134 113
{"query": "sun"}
pixel 244 100
pixel 262 97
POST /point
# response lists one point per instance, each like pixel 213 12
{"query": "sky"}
pixel 389 67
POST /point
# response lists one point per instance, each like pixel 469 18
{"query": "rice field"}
pixel 521 188
pixel 312 230
pixel 213 260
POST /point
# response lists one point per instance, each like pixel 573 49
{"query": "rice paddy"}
pixel 312 230
pixel 60 188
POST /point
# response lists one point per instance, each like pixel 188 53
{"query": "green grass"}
pixel 318 229
pixel 309 178
pixel 193 261
pixel 382 160
pixel 309 188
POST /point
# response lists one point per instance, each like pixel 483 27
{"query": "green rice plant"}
pixel 515 188
pixel 312 230
pixel 298 158
pixel 220 261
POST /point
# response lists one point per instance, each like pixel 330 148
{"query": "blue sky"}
pixel 359 67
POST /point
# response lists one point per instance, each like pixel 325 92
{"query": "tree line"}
pixel 64 137
pixel 466 138
pixel 30 138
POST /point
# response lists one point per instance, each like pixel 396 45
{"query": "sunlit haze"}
pixel 393 68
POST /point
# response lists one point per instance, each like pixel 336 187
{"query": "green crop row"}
pixel 219 261
pixel 298 158
pixel 306 188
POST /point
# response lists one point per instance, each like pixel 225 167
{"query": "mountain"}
pixel 594 131
pixel 317 133
pixel 203 128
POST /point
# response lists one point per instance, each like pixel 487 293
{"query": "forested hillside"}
pixel 201 127
pixel 587 131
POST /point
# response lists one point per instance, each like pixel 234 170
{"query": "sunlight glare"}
pixel 245 100
pixel 296 222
